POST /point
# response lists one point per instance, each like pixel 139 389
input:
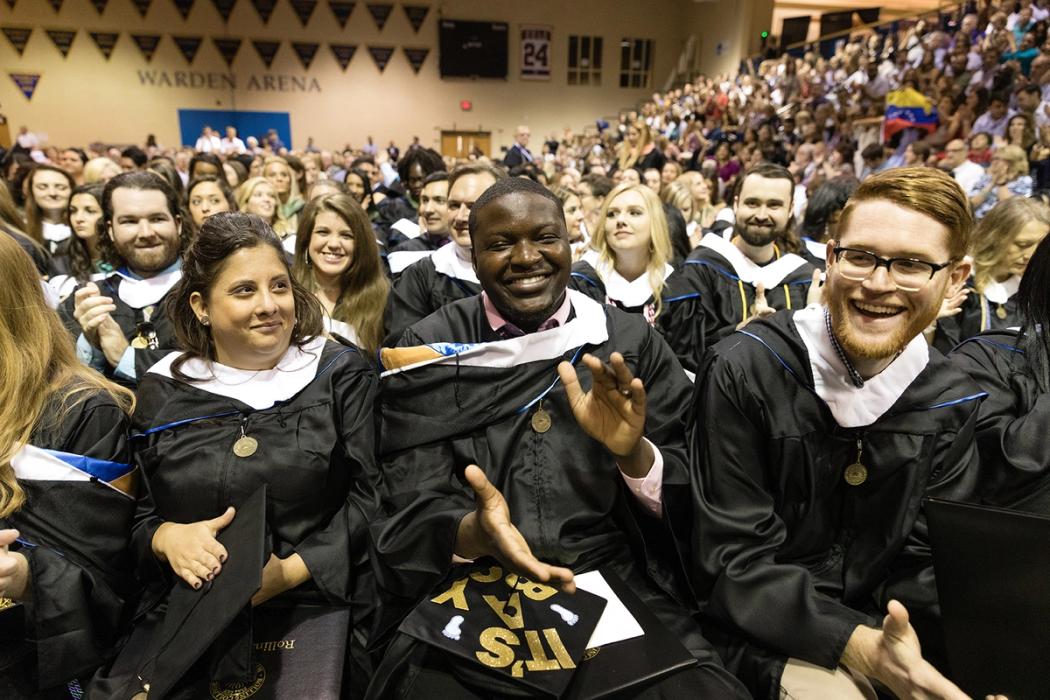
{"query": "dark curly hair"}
pixel 220 236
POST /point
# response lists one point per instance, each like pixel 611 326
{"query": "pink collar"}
pixel 497 323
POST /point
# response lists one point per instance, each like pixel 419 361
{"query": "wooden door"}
pixel 460 144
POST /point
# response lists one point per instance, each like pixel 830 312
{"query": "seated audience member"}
pixel 206 196
pixel 119 322
pixel 234 172
pixel 257 196
pixel 337 258
pixel 821 220
pixel 286 187
pixel 73 160
pixel 433 217
pixel 47 217
pixel 1007 177
pixel 1011 365
pixel 981 149
pixel 323 187
pixel 723 284
pixel 412 170
pixel 593 189
pixel 565 479
pixel 260 390
pixel 815 436
pixel 204 164
pixel 133 158
pixel 706 202
pixel 447 275
pixel 630 254
pixel 165 167
pixel 12 225
pixel 1004 242
pixel 83 253
pixel 574 220
pixel 965 171
pixel 65 522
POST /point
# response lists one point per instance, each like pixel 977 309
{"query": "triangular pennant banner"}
pixel 11 3
pixel 303 9
pixel 100 5
pixel 416 14
pixel 344 53
pixel 381 55
pixel 142 6
pixel 416 57
pixel 380 13
pixel 188 46
pixel 57 4
pixel 264 8
pixel 105 41
pixel 341 9
pixel 305 51
pixel 147 44
pixel 266 50
pixel 26 82
pixel 228 48
pixel 184 7
pixel 62 39
pixel 225 7
pixel 18 36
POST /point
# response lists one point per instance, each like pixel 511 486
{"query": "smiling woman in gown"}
pixel 259 396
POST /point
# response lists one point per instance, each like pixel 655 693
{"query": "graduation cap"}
pixel 195 618
pixel 501 626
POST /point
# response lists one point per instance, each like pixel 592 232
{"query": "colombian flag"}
pixel 908 108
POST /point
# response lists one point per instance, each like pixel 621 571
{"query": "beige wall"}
pixel 727 30
pixel 84 98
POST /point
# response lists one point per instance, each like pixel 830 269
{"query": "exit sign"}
pixel 466 105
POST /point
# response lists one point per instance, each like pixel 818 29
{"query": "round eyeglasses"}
pixel 909 274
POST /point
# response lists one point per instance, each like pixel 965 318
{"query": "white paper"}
pixel 616 623
pixel 409 228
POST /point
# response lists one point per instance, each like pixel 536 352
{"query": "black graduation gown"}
pixel 315 453
pixel 978 314
pixel 419 244
pixel 814 253
pixel 1012 424
pixel 788 557
pixel 564 490
pixel 75 536
pixel 419 291
pixel 128 318
pixel 391 210
pixel 704 301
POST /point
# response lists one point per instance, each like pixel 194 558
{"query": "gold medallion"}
pixel 541 421
pixel 1001 312
pixel 856 474
pixel 139 342
pixel 245 446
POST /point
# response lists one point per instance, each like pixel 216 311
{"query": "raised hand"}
pixel 14 569
pixel 191 549
pixel 90 309
pixel 815 295
pixel 953 305
pixel 488 531
pixel 613 411
pixel 111 340
pixel 760 309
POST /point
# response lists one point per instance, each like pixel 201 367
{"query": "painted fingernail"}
pixel 222 559
pixel 197 585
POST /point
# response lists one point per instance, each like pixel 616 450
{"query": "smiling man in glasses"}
pixel 817 433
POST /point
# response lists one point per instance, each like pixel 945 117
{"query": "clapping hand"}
pixel 91 309
pixel 613 411
pixel 488 531
pixel 14 568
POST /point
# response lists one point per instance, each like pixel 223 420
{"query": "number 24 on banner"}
pixel 535 52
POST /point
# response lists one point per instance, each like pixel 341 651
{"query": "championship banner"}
pixel 224 7
pixel 381 55
pixel 62 39
pixel 18 36
pixel 100 5
pixel 344 53
pixel 147 44
pixel 188 46
pixel 535 52
pixel 105 41
pixel 26 82
pixel 416 57
pixel 264 8
pixel 380 13
pixel 303 9
pixel 184 7
pixel 11 4
pixel 57 5
pixel 228 48
pixel 342 10
pixel 266 50
pixel 306 51
pixel 142 6
pixel 416 15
